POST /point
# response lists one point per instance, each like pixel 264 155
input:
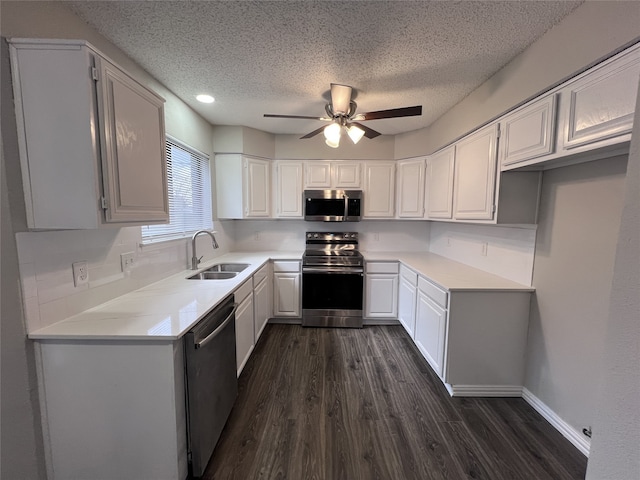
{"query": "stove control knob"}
pixel 315 235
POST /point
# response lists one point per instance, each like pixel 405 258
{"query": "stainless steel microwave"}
pixel 333 205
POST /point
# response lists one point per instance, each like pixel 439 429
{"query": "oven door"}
pixel 332 296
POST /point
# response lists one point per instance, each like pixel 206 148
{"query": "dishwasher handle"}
pixel 217 331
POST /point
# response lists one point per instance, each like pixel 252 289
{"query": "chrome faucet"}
pixel 194 259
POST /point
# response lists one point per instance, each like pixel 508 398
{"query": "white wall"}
pixel 577 234
pixel 592 31
pixel 615 449
pixel 504 251
pixel 289 235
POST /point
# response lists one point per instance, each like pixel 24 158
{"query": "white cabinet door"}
pixel 317 175
pixel 407 292
pixel 439 191
pixel 288 194
pixel 410 191
pixel 346 175
pixel 86 130
pixel 262 306
pixel 381 296
pixel 134 166
pixel 244 332
pixel 529 132
pixel 379 188
pixel 475 175
pixel 601 104
pixel 431 324
pixel 257 193
pixel 286 294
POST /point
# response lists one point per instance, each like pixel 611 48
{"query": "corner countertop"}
pixel 164 310
pixel 448 274
pixel 167 309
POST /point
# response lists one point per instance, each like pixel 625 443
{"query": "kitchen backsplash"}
pixel 504 251
pixel 46 258
pixel 375 235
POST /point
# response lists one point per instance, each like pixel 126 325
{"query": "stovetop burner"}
pixel 332 249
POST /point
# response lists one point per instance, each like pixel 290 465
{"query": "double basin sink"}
pixel 220 271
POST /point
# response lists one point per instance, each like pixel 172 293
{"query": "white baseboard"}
pixel 484 390
pixel 574 436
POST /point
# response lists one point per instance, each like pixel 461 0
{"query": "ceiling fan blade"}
pixel 392 113
pixel 368 132
pixel 273 115
pixel 340 98
pixel 314 133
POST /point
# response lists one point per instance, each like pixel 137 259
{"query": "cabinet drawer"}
pixel 243 291
pixel 409 275
pixel 436 294
pixel 280 266
pixel 382 267
pixel 260 275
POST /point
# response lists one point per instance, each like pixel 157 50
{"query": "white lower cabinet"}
pixel 381 290
pixel 261 299
pixel 286 289
pixel 407 294
pixel 245 338
pixel 431 324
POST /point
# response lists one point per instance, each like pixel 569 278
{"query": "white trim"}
pixel 484 390
pixel 574 436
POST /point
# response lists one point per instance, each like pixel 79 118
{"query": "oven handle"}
pixel 358 270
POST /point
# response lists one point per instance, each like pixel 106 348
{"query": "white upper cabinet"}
pixel 317 175
pixel 91 138
pixel 410 188
pixel 600 105
pixel 475 175
pixel 439 195
pixel 242 186
pixel 338 175
pixel 288 189
pixel 379 189
pixel 529 132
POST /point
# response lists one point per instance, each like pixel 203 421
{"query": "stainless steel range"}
pixel 332 280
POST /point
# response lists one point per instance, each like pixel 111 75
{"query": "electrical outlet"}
pixel 127 261
pixel 80 273
pixel 448 241
pixel 376 236
pixel 256 236
pixel 483 249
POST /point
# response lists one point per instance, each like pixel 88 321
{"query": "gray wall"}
pixel 590 32
pixel 615 450
pixel 572 270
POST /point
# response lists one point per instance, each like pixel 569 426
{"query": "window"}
pixel 189 188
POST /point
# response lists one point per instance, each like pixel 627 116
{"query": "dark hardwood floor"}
pixel 343 404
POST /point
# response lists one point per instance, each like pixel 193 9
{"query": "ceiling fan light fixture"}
pixel 332 143
pixel 355 133
pixel 332 133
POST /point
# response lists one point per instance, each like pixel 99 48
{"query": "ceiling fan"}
pixel 341 112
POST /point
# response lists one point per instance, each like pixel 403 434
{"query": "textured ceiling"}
pixel 260 57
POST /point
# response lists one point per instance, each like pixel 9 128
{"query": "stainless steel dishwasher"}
pixel 212 384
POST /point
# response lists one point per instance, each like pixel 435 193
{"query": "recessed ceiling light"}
pixel 205 98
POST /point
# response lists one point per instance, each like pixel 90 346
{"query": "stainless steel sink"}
pixel 206 275
pixel 227 267
pixel 220 271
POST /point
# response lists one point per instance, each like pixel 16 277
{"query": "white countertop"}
pixel 163 310
pixel 448 274
pixel 167 309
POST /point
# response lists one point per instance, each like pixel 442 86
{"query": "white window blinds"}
pixel 189 188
